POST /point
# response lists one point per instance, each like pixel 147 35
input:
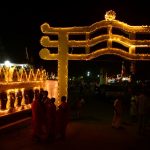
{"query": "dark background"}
pixel 20 26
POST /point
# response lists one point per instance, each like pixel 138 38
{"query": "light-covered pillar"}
pixel 133 71
pixel 62 65
pixel 109 41
pixel 87 48
pixel 132 49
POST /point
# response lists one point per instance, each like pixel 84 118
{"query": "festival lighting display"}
pixel 13 80
pixel 63 44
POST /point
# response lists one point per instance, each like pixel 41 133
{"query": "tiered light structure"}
pixel 14 80
pixel 63 43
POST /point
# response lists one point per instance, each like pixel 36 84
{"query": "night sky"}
pixel 20 23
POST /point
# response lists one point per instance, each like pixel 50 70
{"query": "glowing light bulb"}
pixel 7 63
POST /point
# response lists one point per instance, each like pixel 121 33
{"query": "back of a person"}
pixel 62 117
pixel 116 121
pixel 51 111
pixel 63 111
pixel 142 111
pixel 51 119
pixel 141 103
pixel 118 106
pixel 38 118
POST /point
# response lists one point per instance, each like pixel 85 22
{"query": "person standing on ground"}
pixel 62 117
pixel 51 119
pixel 142 110
pixel 133 107
pixel 116 122
pixel 36 119
pixel 79 107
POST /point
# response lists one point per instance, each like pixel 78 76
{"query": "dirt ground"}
pixel 92 131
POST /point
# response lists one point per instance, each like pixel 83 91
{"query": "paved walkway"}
pixel 92 131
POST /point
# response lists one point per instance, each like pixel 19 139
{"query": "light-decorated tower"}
pixel 59 38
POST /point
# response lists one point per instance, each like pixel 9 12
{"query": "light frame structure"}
pixel 63 43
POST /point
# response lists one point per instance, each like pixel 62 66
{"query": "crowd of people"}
pixel 139 110
pixel 49 121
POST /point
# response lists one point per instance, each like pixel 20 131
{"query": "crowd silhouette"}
pixel 49 122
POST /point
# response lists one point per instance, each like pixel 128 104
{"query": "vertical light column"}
pixel 109 31
pixel 87 49
pixel 62 65
pixel 132 50
pixel 133 71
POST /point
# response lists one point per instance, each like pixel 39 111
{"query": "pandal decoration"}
pixel 64 43
pixel 16 84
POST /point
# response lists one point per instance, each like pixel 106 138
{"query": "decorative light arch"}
pixel 63 43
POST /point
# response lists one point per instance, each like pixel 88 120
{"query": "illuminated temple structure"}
pixel 82 43
pixel 17 85
pixel 71 43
